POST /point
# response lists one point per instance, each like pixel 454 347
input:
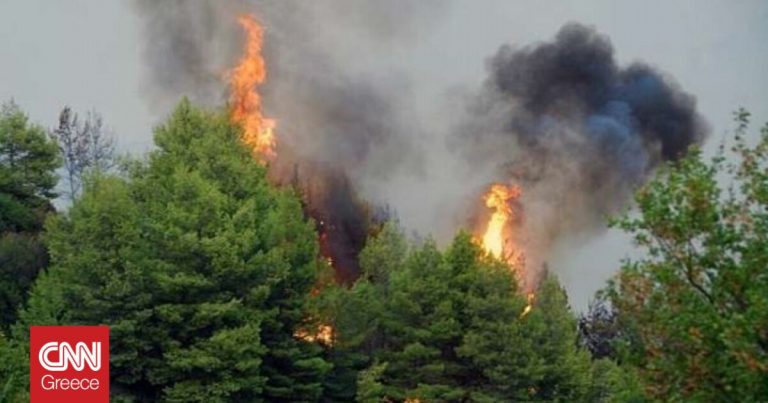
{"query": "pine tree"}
pixel 447 326
pixel 28 161
pixel 201 269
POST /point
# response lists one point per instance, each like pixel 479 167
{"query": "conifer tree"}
pixel 28 162
pixel 448 326
pixel 200 267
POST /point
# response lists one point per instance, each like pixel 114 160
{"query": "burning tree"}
pixel 244 79
pixel 201 268
pixel 496 237
pixel 342 219
pixel 499 238
pixel 446 326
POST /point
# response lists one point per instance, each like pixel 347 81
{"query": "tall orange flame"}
pixel 249 73
pixel 496 239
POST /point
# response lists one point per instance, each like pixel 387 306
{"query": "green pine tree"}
pixel 448 326
pixel 28 161
pixel 202 270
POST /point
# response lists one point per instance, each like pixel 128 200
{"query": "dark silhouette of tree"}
pixel 84 145
pixel 599 329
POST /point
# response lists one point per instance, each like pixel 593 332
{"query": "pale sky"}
pixel 87 54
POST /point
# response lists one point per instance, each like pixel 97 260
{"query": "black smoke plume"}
pixel 576 130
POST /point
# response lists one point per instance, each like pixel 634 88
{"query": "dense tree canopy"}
pixel 449 326
pixel 28 161
pixel 211 281
pixel 201 269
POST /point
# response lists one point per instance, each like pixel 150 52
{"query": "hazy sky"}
pixel 87 54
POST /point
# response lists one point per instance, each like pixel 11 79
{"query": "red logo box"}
pixel 69 364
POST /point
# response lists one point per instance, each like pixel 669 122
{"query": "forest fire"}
pixel 529 306
pixel 249 73
pixel 323 334
pixel 497 239
pixel 244 79
pixel 327 195
pixel 494 238
pixel 318 206
pixel 246 103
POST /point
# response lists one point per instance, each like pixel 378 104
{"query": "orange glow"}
pixel 495 238
pixel 249 73
pixel 323 334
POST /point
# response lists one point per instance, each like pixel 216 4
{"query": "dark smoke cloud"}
pixel 577 130
pixel 576 77
pixel 186 50
pixel 343 220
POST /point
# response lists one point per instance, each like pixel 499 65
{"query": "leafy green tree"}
pixel 695 308
pixel 201 268
pixel 448 326
pixel 28 161
pixel 614 383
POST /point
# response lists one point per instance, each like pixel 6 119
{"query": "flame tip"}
pixel 244 78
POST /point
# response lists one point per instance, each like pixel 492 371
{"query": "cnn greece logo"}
pixel 69 364
pixel 77 357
